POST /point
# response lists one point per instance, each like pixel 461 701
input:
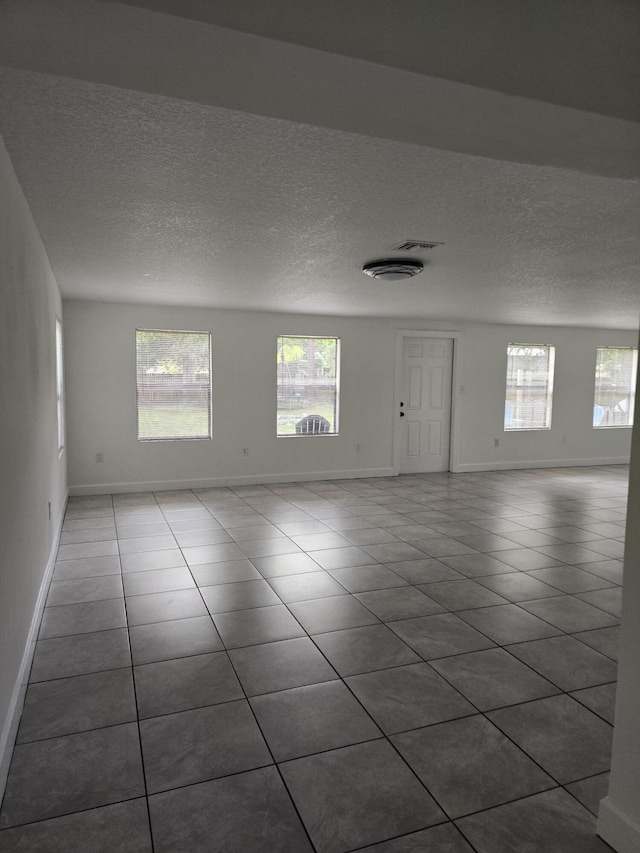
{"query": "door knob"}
pixel 401 414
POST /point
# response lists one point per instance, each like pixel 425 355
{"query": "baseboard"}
pixel 505 465
pixel 617 828
pixel 214 482
pixel 10 729
pixel 309 476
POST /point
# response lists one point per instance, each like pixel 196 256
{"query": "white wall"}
pixel 102 413
pixel 100 342
pixel 571 439
pixel 32 472
pixel 619 820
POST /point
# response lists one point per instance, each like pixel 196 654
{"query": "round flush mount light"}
pixel 393 269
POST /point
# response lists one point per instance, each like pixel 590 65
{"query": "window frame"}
pixel 631 390
pixel 209 435
pixel 336 388
pixel 551 361
pixel 60 389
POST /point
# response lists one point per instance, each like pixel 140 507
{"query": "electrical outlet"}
pixel 245 451
pixel 99 457
pixel 496 442
pixel 357 448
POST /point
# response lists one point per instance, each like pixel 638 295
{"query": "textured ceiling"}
pixel 181 189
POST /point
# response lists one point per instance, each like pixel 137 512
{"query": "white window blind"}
pixel 308 385
pixel 529 393
pixel 615 384
pixel 173 384
pixel 60 384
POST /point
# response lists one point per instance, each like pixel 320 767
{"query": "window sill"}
pixel 310 435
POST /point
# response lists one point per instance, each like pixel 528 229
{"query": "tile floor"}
pixel 425 663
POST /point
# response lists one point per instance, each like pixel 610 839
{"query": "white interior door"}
pixel 425 405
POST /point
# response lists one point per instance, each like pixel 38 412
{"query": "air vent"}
pixel 412 245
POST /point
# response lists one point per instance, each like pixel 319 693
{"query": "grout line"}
pixel 135 699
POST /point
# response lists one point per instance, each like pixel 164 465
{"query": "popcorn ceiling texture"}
pixel 140 197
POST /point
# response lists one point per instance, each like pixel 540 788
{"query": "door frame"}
pixel 456 390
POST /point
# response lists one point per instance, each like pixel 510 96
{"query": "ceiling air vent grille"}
pixel 412 245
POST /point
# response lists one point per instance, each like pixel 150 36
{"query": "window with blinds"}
pixel 60 384
pixel 615 383
pixel 308 370
pixel 173 371
pixel 529 393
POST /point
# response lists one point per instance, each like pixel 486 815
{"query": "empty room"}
pixel 319 471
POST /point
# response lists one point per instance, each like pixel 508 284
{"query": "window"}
pixel 529 386
pixel 59 385
pixel 614 398
pixel 173 384
pixel 308 386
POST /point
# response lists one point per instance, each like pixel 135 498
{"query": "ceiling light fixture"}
pixel 393 269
